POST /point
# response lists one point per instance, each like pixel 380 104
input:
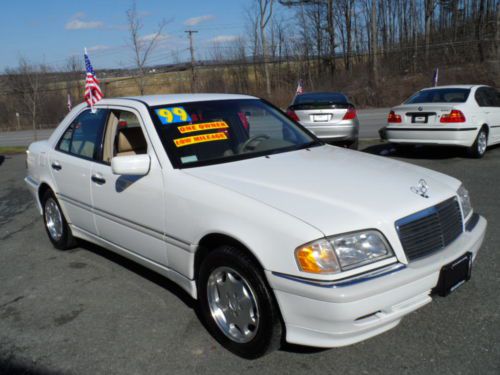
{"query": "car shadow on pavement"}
pixel 13 366
pixel 174 289
pixel 141 271
pixel 416 152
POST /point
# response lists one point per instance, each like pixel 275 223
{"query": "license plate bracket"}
pixel 454 274
pixel 419 119
pixel 321 118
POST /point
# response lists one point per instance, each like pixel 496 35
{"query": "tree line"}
pixel 377 51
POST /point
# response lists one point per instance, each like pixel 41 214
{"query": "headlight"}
pixel 464 197
pixel 342 252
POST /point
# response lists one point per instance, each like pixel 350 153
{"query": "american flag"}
pixel 300 88
pixel 93 92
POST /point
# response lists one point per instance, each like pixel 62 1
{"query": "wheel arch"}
pixel 212 241
pixel 44 187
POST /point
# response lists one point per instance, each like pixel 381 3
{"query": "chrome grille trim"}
pixel 428 231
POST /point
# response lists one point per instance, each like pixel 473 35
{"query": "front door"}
pixel 71 163
pixel 129 211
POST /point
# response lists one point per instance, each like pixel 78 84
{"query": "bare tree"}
pixel 265 14
pixel 374 43
pixel 142 46
pixel 430 5
pixel 74 76
pixel 25 83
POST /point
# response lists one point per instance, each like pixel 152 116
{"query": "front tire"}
pixel 56 226
pixel 478 149
pixel 236 303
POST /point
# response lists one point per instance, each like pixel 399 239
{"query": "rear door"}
pixel 71 163
pixel 129 210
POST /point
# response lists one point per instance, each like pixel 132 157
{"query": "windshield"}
pixel 449 95
pixel 211 132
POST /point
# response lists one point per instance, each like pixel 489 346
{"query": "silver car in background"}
pixel 329 115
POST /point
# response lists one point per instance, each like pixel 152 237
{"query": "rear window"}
pixel 448 95
pixel 320 100
pixel 326 97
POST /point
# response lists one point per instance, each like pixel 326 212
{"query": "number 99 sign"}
pixel 172 115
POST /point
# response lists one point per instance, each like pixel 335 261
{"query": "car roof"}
pixel 452 87
pixel 154 100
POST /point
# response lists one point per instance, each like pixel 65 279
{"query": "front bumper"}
pixel 343 314
pixel 33 187
pixel 451 136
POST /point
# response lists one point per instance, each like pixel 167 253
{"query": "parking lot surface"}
pixel 88 311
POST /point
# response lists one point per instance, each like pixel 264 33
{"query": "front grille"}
pixel 428 231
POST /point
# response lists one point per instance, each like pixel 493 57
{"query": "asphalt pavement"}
pixel 371 120
pixel 88 311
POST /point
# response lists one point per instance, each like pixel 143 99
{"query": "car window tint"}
pixel 493 97
pixel 481 97
pixel 198 133
pixel 320 98
pixel 83 137
pixel 448 95
pixel 65 142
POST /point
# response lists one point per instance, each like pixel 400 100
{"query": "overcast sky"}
pixel 49 31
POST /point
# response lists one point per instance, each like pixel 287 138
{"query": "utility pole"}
pixel 191 50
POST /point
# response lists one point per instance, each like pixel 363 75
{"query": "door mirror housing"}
pixel 131 165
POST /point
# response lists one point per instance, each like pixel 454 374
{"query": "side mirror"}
pixel 131 165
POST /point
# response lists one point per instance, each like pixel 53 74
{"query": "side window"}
pixel 124 136
pixel 479 96
pixel 482 97
pixel 65 142
pixel 83 137
pixel 493 97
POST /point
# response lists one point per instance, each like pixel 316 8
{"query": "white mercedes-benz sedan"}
pixel 463 115
pixel 278 236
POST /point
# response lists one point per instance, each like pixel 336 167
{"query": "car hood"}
pixel 333 189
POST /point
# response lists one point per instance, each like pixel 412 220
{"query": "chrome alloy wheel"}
pixel 53 219
pixel 482 142
pixel 233 304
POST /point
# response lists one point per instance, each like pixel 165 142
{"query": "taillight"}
pixel 454 116
pixel 350 114
pixel 393 117
pixel 291 113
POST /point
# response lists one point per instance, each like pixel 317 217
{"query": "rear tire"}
pixel 478 148
pixel 237 305
pixel 56 226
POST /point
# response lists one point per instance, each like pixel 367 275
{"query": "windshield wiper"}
pixel 314 143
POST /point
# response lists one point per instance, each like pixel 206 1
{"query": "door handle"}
pixel 55 165
pixel 98 179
